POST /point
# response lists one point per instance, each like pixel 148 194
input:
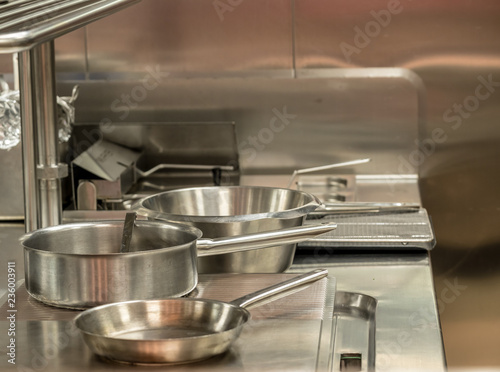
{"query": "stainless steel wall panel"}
pixel 402 33
pixel 188 37
pixel 5 64
pixel 281 124
pixel 11 185
pixel 452 46
pixel 70 54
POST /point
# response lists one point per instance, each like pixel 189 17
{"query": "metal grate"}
pixel 370 231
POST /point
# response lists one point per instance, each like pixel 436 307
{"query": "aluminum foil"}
pixel 66 115
pixel 10 117
pixel 10 120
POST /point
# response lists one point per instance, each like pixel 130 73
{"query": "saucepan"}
pixel 81 265
pixel 234 210
pixel 174 330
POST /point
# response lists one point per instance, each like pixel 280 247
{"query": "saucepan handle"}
pixel 240 243
pixel 343 208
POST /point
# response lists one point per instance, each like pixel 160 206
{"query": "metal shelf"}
pixel 27 23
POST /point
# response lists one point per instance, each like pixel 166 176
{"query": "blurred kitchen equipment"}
pixel 108 166
pixel 86 195
pixel 113 170
pixel 234 210
pixel 174 330
pixel 325 167
pixel 182 166
pixel 80 265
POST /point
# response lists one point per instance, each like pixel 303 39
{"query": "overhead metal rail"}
pixel 27 23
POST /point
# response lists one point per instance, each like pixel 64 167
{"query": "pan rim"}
pixel 84 313
pixel 282 214
pixel 26 239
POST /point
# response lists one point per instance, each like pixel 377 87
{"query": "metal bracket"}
pixel 52 172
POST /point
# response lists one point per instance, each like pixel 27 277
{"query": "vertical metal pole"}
pixel 49 171
pixel 28 143
pixel 15 60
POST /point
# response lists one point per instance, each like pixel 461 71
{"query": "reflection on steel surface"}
pixel 292 332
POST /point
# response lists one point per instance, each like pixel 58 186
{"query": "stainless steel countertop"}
pixel 407 329
pixel 408 332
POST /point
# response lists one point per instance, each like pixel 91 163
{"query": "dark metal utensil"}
pixel 128 228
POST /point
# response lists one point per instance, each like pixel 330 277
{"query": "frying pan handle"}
pixel 280 288
pixel 239 243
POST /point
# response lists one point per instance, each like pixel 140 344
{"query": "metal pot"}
pixel 234 210
pixel 80 265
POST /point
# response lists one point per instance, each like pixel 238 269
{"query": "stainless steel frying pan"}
pixel 174 330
